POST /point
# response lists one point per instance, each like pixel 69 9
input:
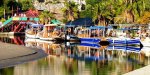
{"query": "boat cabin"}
pixel 52 30
pixel 33 29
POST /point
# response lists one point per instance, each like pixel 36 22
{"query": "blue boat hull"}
pixel 136 41
pixel 90 40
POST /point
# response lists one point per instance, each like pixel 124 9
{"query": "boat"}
pixel 71 28
pixel 32 30
pixel 51 32
pixel 85 34
pixel 70 34
pixel 122 36
pixel 96 34
pixel 92 34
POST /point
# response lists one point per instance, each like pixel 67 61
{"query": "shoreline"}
pixel 140 71
pixel 11 54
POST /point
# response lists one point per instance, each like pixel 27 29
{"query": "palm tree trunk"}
pixel 129 16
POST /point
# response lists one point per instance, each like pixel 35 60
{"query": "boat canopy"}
pixel 97 27
pixel 37 25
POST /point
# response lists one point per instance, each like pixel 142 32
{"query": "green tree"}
pixel 71 11
pixel 131 10
pixel 89 7
pixel 1 11
pixel 92 2
pixel 88 12
pixel 13 4
pixel 102 12
pixel 1 2
pixel 146 4
pixel 45 17
pixel 26 5
pixel 7 71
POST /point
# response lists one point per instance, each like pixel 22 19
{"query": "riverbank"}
pixel 11 54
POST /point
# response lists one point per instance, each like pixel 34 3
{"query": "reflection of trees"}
pixel 7 71
pixel 51 49
pixel 43 63
pixel 70 66
pixel 119 64
pixel 65 65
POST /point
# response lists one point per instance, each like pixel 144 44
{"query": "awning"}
pixel 54 21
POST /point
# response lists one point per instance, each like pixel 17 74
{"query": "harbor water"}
pixel 76 59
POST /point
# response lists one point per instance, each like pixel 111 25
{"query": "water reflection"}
pixel 7 71
pixel 19 40
pixel 78 59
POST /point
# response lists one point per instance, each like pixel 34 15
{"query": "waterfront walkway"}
pixel 11 54
pixel 141 71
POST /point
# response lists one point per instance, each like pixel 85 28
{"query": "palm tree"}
pixel 70 11
pixel 102 12
pixel 147 3
pixel 26 5
pixel 45 17
pixel 133 10
pixel 116 10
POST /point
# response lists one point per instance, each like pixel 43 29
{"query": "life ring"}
pixel 69 29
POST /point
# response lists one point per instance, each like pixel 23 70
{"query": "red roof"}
pixel 32 13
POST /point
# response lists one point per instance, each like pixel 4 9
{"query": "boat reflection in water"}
pixel 81 59
pixel 18 40
pixel 49 47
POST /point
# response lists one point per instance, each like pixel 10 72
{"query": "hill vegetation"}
pixel 102 12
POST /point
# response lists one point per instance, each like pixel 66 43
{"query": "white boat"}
pixel 50 32
pixel 32 30
pixel 31 35
pixel 123 36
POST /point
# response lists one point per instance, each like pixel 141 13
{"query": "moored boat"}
pixel 32 30
pixel 51 32
pixel 123 36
